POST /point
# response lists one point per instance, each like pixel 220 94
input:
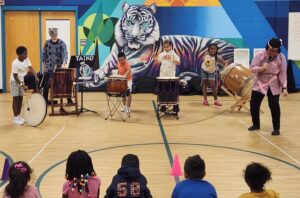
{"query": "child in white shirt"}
pixel 20 66
pixel 168 59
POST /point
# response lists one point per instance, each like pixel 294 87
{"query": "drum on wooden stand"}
pixel 238 79
pixel 35 109
pixel 63 83
pixel 63 86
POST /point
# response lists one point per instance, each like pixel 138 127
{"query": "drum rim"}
pixel 244 84
pixel 117 77
pixel 45 112
pixel 167 78
pixel 116 94
pixel 230 67
pixel 168 103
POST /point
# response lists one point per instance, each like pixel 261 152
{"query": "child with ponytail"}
pixel 19 176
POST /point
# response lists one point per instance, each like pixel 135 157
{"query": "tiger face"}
pixel 137 27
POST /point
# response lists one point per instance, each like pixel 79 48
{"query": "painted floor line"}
pixel 274 145
pixel 42 149
pixel 45 146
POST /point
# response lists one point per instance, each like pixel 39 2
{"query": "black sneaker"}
pixel 275 132
pixel 253 128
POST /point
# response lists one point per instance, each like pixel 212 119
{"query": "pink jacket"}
pixel 274 76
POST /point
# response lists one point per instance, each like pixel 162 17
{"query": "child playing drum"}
pixel 168 59
pixel 124 69
pixel 20 66
pixel 209 65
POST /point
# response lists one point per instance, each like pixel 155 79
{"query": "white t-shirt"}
pixel 209 63
pixel 20 68
pixel 168 68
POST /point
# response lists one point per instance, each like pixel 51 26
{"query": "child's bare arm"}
pixel 32 71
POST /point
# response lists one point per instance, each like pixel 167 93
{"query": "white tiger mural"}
pixel 137 35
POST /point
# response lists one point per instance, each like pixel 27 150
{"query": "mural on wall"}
pixel 246 23
pixel 137 34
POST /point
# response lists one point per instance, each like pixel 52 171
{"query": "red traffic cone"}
pixel 176 170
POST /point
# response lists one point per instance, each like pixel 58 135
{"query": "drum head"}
pixel 167 78
pixel 35 109
pixel 226 71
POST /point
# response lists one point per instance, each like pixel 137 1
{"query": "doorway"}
pixel 29 29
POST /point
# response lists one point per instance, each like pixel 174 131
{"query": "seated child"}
pixel 194 186
pixel 129 181
pixel 19 176
pixel 256 175
pixel 82 181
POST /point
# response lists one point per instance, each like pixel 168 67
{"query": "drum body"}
pixel 29 81
pixel 63 83
pixel 116 85
pixel 238 79
pixel 168 89
pixel 35 109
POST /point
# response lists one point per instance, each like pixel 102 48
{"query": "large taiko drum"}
pixel 116 84
pixel 238 79
pixel 63 83
pixel 168 90
pixel 35 109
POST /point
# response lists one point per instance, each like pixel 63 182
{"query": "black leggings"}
pixel 46 84
pixel 256 99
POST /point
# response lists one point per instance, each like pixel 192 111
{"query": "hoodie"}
pixel 129 182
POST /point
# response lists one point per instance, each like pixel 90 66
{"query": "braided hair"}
pixel 79 168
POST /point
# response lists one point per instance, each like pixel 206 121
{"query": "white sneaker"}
pixel 18 121
pixel 128 110
pixel 20 118
pixel 123 108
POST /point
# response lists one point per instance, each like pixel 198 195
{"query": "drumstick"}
pixel 54 68
pixel 42 80
pixel 44 75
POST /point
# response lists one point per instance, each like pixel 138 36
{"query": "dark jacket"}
pixel 129 182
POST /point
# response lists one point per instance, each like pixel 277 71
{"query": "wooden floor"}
pixel 218 135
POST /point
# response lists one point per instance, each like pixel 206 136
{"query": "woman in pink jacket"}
pixel 269 68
